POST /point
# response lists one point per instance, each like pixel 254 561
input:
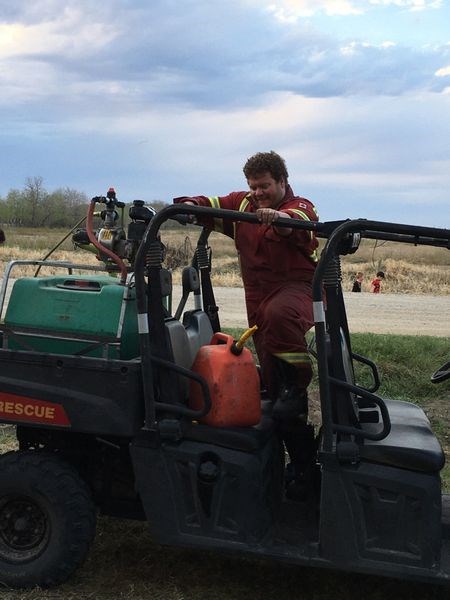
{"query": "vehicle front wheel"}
pixel 47 519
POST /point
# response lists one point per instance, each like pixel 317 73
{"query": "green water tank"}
pixel 89 315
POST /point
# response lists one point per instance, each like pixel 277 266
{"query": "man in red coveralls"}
pixel 277 265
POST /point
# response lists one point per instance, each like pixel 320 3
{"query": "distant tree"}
pixel 14 208
pixel 76 204
pixel 33 206
pixel 65 207
pixel 158 204
pixel 52 211
pixel 34 197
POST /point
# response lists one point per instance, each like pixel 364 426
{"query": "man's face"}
pixel 266 192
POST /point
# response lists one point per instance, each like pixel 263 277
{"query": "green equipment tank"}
pixel 85 315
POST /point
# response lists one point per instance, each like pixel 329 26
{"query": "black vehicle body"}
pixel 126 428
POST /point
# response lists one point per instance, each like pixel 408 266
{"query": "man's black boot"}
pixel 301 446
pixel 292 400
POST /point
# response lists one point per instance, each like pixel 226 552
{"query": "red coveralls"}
pixel 277 273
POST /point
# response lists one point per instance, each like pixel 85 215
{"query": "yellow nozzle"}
pixel 244 337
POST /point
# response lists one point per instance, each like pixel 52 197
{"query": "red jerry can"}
pixel 233 382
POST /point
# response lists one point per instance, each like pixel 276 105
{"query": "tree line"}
pixel 34 206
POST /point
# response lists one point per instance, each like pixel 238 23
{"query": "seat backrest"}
pixel 179 342
pixel 347 364
pixel 340 366
pixel 181 351
pixel 186 339
pixel 199 330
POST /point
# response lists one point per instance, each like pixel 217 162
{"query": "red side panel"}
pixel 30 410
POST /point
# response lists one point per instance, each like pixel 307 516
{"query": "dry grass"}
pixel 8 254
pixel 402 277
pixel 408 269
pixel 35 244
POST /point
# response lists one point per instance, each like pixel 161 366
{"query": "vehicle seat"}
pixel 410 444
pixel 185 340
pixel 199 330
pixel 247 439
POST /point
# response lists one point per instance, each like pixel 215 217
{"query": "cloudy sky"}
pixel 161 98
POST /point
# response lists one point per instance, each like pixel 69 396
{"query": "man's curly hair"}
pixel 266 162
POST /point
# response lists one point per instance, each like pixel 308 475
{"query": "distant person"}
pixel 358 282
pixel 2 236
pixel 376 283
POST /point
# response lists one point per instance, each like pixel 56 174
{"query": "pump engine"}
pixel 111 234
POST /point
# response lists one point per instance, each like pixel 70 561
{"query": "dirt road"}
pixel 407 314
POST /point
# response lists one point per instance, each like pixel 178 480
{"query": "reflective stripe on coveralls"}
pixel 218 223
pixel 296 359
pixel 305 217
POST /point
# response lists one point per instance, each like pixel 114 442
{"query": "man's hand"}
pixel 268 216
pixel 184 219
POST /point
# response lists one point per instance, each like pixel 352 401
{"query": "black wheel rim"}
pixel 24 529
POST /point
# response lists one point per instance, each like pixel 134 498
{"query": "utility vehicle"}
pixel 97 374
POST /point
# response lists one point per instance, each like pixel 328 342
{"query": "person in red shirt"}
pixel 277 266
pixel 376 283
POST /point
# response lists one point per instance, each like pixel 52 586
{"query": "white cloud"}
pixel 71 33
pixel 444 72
pixel 36 83
pixel 413 5
pixel 353 47
pixel 290 11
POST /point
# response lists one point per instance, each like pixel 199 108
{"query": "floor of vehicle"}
pixel 446 516
pixel 445 554
pixel 445 557
pixel 297 524
pixel 297 530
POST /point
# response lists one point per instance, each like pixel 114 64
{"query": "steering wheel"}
pixel 441 374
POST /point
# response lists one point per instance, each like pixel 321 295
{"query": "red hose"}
pixel 119 262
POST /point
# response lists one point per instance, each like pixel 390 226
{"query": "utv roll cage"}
pixel 343 237
pixel 381 508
